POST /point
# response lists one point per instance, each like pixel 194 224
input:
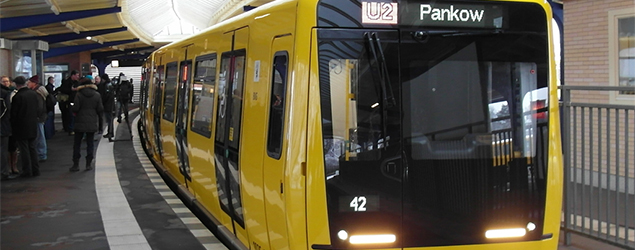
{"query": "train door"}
pixel 228 128
pixel 274 162
pixel 359 92
pixel 183 93
pixel 156 118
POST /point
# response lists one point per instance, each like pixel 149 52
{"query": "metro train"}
pixel 379 124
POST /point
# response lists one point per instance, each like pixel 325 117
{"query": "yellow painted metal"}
pixel 274 173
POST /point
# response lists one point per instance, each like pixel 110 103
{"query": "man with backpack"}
pixel 124 95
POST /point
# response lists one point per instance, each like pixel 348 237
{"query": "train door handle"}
pixel 391 170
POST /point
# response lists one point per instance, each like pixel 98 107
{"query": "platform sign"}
pixel 380 12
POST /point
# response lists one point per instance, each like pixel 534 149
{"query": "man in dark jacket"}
pixel 24 125
pixel 65 96
pixel 40 141
pixel 87 108
pixel 124 92
pixel 107 92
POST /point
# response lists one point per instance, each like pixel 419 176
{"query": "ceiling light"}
pixel 89 38
pixel 55 10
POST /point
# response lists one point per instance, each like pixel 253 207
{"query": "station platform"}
pixel 122 204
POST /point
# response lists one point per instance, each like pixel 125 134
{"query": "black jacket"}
pixel 124 91
pixel 5 129
pixel 87 109
pixel 67 88
pixel 108 98
pixel 24 109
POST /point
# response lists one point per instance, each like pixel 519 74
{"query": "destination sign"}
pixel 453 15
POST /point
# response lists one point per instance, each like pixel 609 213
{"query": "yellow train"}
pixel 346 124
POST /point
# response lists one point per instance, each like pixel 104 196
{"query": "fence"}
pixel 599 187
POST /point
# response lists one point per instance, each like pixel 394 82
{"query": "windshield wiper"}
pixel 424 35
pixel 379 67
pixel 377 52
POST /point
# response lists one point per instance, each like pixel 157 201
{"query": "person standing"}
pixel 65 97
pixel 98 82
pixel 24 122
pixel 49 125
pixel 13 147
pixel 88 107
pixel 106 91
pixel 124 91
pixel 40 141
pixel 5 128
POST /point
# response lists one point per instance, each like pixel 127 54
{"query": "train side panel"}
pixel 205 54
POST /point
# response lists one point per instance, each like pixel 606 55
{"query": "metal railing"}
pixel 599 161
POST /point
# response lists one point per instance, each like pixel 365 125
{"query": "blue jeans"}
pixel 49 126
pixel 122 107
pixel 40 142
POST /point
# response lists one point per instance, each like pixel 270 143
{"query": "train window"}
pixel 237 100
pixel 203 100
pixel 169 97
pixel 230 98
pixel 277 104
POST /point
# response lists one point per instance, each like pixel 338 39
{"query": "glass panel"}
pixel 23 63
pixel 182 117
pixel 203 101
pixel 360 123
pixel 277 105
pixel 223 76
pixel 237 100
pixel 158 87
pixel 626 40
pixel 169 98
pixel 475 132
pixel 443 131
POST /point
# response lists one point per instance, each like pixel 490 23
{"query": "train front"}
pixel 439 124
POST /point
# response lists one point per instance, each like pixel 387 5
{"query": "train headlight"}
pixel 505 233
pixel 343 235
pixel 531 226
pixel 372 239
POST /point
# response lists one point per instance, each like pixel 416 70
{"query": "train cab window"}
pixel 277 105
pixel 203 100
pixel 169 98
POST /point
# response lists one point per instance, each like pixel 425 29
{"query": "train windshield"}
pixel 434 136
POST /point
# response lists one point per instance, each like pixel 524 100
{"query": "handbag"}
pixel 61 97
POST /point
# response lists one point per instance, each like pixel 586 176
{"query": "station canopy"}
pixel 99 26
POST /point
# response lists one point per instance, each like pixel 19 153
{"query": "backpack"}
pixel 124 90
pixel 50 102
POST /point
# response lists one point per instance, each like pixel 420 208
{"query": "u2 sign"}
pixel 379 12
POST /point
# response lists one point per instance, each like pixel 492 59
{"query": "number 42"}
pixel 358 203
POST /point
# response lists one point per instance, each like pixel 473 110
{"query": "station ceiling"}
pixel 115 27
